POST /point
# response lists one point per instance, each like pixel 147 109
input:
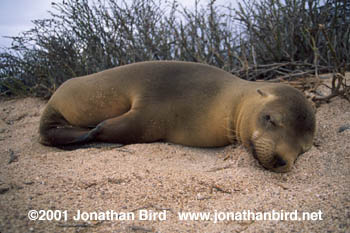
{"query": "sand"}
pixel 163 180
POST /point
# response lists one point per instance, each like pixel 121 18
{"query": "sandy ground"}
pixel 169 179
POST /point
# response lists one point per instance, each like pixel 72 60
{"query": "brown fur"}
pixel 181 102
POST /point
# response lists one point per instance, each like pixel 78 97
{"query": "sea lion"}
pixel 185 103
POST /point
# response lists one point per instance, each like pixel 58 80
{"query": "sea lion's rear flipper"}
pixel 67 135
pixel 56 131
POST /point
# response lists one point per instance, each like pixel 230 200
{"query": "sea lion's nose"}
pixel 279 162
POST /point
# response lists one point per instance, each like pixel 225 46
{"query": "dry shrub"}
pixel 258 40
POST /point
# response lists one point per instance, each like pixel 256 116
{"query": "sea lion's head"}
pixel 281 127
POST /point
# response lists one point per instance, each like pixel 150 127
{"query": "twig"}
pixel 138 228
pixel 75 225
pixel 220 168
pixel 218 188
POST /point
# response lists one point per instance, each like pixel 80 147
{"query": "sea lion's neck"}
pixel 246 104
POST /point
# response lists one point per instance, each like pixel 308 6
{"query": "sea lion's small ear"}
pixel 263 94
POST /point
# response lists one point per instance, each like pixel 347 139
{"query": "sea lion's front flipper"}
pixel 131 127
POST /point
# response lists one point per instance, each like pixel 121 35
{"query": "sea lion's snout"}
pixel 275 152
pixel 273 161
pixel 263 150
pixel 279 162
